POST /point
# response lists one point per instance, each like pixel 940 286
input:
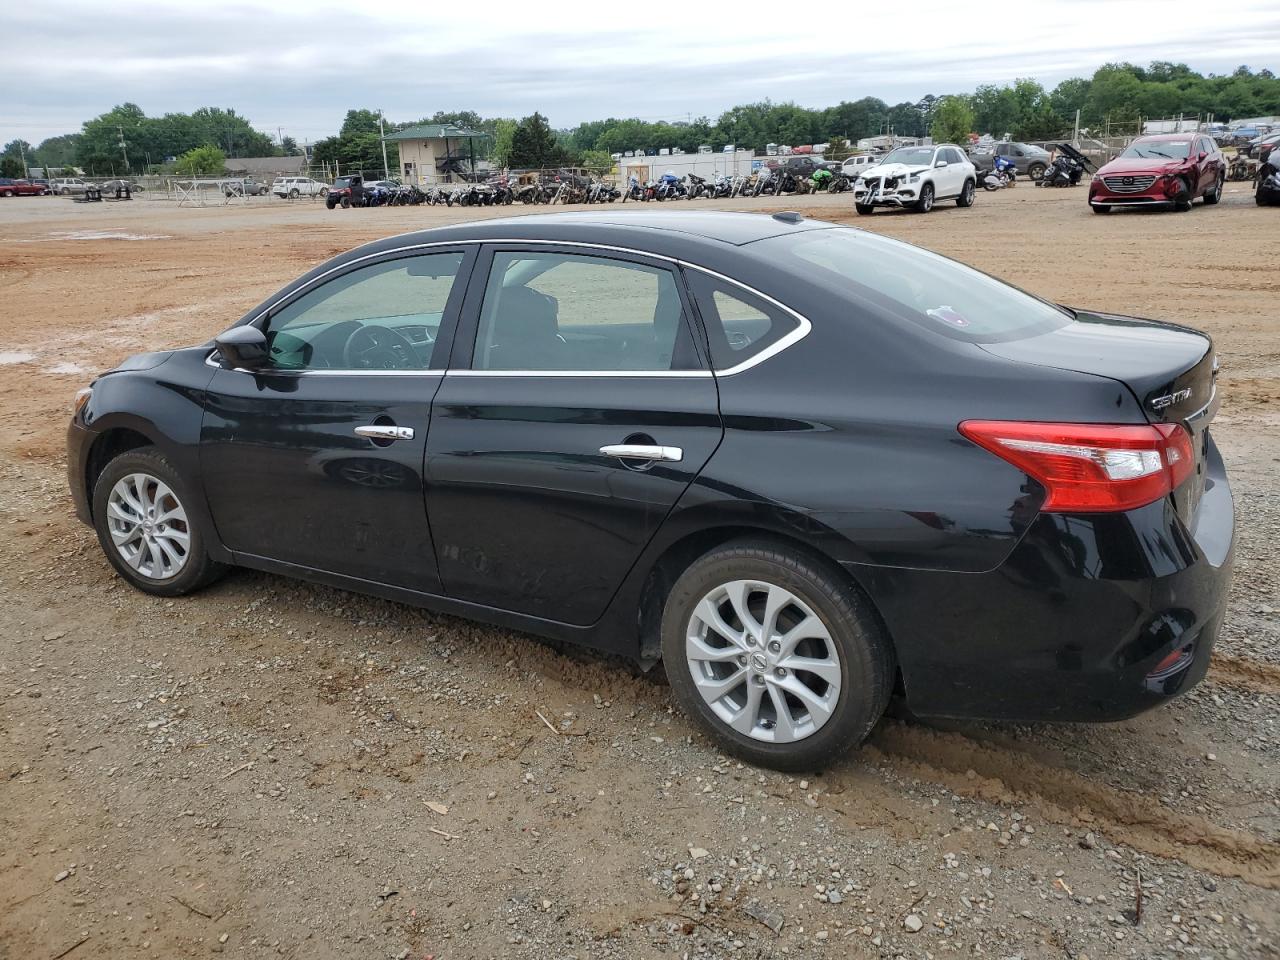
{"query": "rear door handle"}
pixel 378 431
pixel 641 451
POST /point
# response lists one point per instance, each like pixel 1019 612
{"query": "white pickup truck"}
pixel 293 187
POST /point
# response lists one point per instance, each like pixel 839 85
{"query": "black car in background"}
pixel 800 464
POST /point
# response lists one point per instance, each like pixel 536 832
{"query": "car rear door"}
pixel 316 461
pixel 578 407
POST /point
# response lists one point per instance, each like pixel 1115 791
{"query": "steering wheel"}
pixel 378 348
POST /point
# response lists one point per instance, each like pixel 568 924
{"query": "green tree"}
pixel 206 161
pixel 503 133
pixel 57 151
pixel 533 145
pixel 359 121
pixel 11 167
pixel 597 161
pixel 952 120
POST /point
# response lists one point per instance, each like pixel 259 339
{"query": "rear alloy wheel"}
pixel 293 194
pixel 1036 171
pixel 925 203
pixel 966 195
pixel 140 514
pixel 1214 195
pixel 778 656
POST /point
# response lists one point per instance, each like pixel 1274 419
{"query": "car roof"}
pixel 1165 137
pixel 642 231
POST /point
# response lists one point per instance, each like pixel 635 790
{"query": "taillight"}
pixel 1090 468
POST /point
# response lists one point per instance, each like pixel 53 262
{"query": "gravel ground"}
pixel 273 769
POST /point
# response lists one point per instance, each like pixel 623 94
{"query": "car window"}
pixel 892 280
pixel 739 324
pixel 385 316
pixel 555 311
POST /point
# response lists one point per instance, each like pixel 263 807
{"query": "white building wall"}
pixel 708 165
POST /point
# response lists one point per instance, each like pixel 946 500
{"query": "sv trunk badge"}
pixel 1169 399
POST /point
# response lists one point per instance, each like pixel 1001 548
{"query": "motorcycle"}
pixel 1003 173
pixel 669 187
pixel 765 182
pixel 634 191
pixel 1267 193
pixel 1066 169
pixel 698 187
pixel 501 193
pixel 840 183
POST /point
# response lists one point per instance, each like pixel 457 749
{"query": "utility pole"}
pixel 23 151
pixel 123 148
pixel 386 172
pixel 1075 136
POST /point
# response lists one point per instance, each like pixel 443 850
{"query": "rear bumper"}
pixel 1092 616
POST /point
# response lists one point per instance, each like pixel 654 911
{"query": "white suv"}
pixel 917 177
pixel 292 187
pixel 67 186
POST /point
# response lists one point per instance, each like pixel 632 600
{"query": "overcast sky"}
pixel 300 65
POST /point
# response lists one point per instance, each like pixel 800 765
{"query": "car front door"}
pixel 577 409
pixel 316 460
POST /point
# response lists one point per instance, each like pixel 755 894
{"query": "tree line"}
pixel 1118 93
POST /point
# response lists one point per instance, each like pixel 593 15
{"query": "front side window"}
pixel 570 312
pixel 385 316
pixel 896 280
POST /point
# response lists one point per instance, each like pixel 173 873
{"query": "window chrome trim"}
pixel 792 338
pixel 211 362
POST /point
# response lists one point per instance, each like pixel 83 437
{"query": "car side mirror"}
pixel 1203 154
pixel 243 348
pixel 941 163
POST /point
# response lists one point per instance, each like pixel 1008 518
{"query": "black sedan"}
pixel 802 465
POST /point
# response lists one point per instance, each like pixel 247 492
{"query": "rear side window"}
pixel 898 280
pixel 740 325
pixel 574 312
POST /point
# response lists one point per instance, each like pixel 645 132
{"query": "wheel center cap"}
pixel 759 661
pixel 146 526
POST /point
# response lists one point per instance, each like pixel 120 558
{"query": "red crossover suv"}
pixel 1171 169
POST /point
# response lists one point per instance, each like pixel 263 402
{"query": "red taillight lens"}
pixel 1090 468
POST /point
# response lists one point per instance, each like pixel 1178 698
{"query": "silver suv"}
pixel 292 187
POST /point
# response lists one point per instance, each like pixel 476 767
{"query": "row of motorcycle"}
pixel 492 193
pixel 765 182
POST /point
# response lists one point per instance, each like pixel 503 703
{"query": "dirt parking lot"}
pixel 275 769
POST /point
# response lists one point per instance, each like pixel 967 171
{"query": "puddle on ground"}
pixel 108 235
pixel 15 356
pixel 65 369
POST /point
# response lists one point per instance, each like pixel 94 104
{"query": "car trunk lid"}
pixel 1171 370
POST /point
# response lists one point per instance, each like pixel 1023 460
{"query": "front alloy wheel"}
pixel 777 653
pixel 149 526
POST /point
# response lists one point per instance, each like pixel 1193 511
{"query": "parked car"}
pixel 853 167
pixel 1029 161
pixel 804 166
pixel 67 185
pixel 245 186
pixel 1242 135
pixel 1260 147
pixel 294 187
pixel 1267 191
pixel 800 464
pixel 1169 169
pixel 917 178
pixel 111 187
pixel 9 187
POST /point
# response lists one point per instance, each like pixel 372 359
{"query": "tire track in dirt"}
pixel 1252 675
pixel 996 775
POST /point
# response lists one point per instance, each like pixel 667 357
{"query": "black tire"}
pixel 864 208
pixel 925 203
pixel 867 664
pixel 293 194
pixel 199 570
pixel 1214 195
pixel 65 191
pixel 346 203
pixel 1036 172
pixel 8 193
pixel 330 202
pixel 324 191
pixel 1103 208
pixel 966 195
pixel 1184 204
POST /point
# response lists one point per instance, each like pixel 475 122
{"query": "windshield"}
pixel 342 182
pixel 895 278
pixel 912 156
pixel 1159 150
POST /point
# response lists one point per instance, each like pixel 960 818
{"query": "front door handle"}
pixel 378 431
pixel 642 451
